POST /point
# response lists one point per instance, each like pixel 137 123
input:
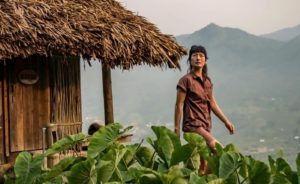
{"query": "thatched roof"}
pixel 101 29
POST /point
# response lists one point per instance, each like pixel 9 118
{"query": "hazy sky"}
pixel 186 16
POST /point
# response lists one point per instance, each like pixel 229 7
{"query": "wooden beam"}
pixel 107 94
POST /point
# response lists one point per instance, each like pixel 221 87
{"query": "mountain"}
pixel 256 82
pixel 284 34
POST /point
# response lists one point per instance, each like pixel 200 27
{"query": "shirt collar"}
pixel 197 77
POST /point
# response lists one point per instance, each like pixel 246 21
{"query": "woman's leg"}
pixel 211 142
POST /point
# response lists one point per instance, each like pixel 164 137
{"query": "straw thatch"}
pixel 101 29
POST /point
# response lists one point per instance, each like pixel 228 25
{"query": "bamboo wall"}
pixel 65 95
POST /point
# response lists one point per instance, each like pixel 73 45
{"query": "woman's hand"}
pixel 230 127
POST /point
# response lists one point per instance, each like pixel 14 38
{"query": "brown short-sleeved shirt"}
pixel 196 109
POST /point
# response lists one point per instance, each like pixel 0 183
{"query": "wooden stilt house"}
pixel 41 43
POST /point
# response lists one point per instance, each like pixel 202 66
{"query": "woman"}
pixel 196 100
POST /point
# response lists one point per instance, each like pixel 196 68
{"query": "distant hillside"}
pixel 230 44
pixel 284 34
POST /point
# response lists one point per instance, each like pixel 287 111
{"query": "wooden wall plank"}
pixel 2 148
pixel 16 109
pixel 5 110
pixel 29 106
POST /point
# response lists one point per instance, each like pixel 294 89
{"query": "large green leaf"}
pixel 193 162
pixel 84 172
pixel 231 147
pixel 108 164
pixel 279 179
pixel 179 180
pixel 28 168
pixel 298 167
pixel 167 141
pixel 272 164
pixel 130 154
pixel 213 164
pixel 103 138
pixel 217 181
pixel 63 165
pixel 229 163
pixel 56 180
pixel 259 173
pixel 161 131
pixel 195 140
pixel 182 154
pixel 196 179
pixel 145 156
pixel 149 179
pixel 282 167
pixel 65 143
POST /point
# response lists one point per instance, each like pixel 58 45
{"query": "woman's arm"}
pixel 178 110
pixel 219 113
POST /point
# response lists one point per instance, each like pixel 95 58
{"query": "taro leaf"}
pixel 229 163
pixel 259 173
pixel 163 131
pixel 167 141
pixel 62 166
pixel 231 147
pixel 279 179
pixel 213 164
pixel 186 172
pixel 179 180
pixel 196 179
pixel 272 164
pixel 217 181
pixel 103 138
pixel 28 168
pixel 65 143
pixel 219 150
pixel 198 142
pixel 298 167
pixel 109 163
pixel 144 156
pixel 195 140
pixel 182 154
pixel 84 172
pixel 193 162
pixel 174 175
pixel 284 167
pixel 129 157
pixel 149 179
pixel 56 180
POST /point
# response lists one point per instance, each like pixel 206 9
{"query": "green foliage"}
pixel 103 138
pixel 84 172
pixel 65 143
pixel 169 162
pixel 28 169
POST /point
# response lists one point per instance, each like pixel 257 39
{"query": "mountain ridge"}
pixel 284 34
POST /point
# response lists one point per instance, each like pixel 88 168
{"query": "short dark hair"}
pixel 197 48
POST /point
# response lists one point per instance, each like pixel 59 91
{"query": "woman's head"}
pixel 195 49
pixel 198 54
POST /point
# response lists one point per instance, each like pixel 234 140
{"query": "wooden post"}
pixel 107 94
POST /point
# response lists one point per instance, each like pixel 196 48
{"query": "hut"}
pixel 41 45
